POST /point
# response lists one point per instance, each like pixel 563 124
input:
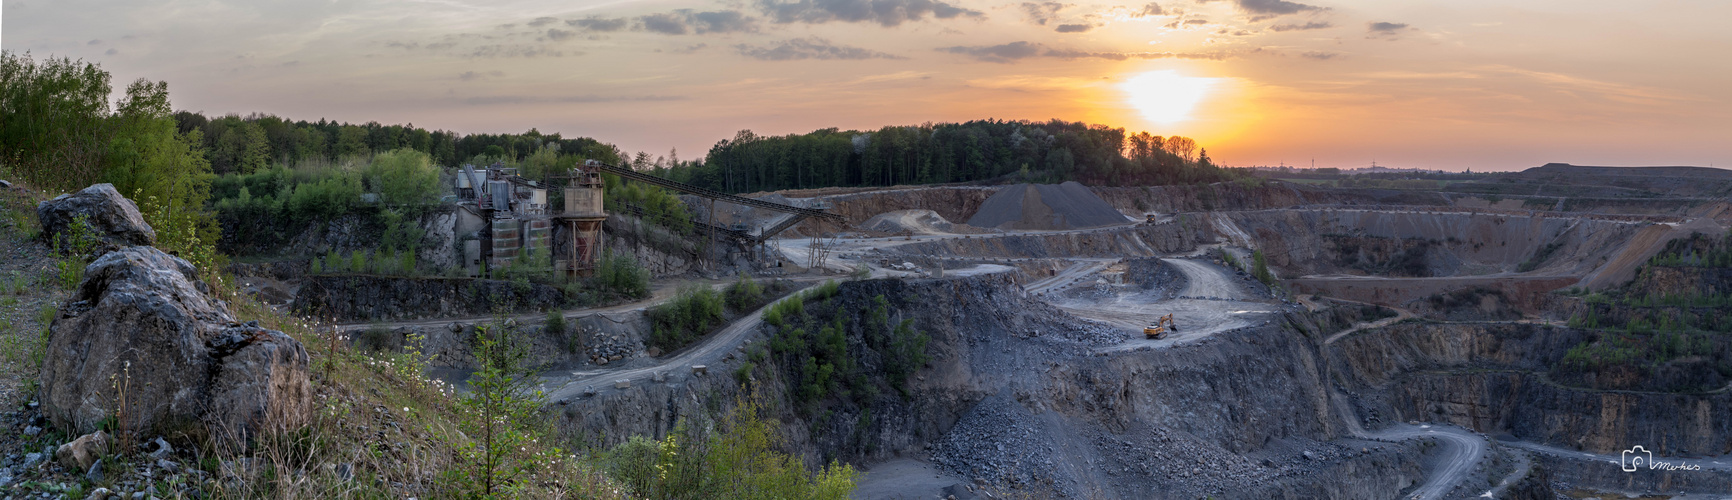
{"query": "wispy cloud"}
pixel 1015 51
pixel 595 23
pixel 1043 12
pixel 1385 28
pixel 884 12
pixel 468 76
pixel 1273 7
pixel 809 48
pixel 685 21
pixel 507 51
pixel 1074 28
pixel 1313 25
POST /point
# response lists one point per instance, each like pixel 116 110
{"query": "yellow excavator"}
pixel 1160 328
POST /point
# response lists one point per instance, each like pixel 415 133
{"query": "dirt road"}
pixel 1082 269
pixel 678 365
pixel 659 293
pixel 1400 315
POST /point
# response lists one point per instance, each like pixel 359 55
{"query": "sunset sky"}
pixel 1487 85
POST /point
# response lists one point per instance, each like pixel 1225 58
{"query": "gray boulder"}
pixel 139 320
pixel 110 217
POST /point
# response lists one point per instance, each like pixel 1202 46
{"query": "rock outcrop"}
pixel 141 323
pixel 110 217
pixel 366 297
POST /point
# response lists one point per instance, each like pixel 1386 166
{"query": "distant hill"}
pixel 1555 169
pixel 1576 181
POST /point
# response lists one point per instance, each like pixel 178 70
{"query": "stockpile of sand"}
pixel 1046 206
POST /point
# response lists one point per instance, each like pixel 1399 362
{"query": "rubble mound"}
pixel 111 217
pixel 1000 442
pixel 1046 206
pixel 141 323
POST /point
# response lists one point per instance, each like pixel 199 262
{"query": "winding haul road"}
pixel 712 349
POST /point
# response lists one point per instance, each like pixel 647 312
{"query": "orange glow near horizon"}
pixel 1165 97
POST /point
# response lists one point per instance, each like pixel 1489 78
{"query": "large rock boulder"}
pixel 140 322
pixel 110 217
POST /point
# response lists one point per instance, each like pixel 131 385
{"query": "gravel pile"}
pixel 1178 460
pixel 604 348
pixel 1046 206
pixel 1000 443
pixel 1090 332
pixel 1155 275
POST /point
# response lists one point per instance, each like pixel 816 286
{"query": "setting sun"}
pixel 1165 97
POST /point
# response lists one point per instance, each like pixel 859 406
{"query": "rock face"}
pixel 1494 379
pixel 361 297
pixel 112 218
pixel 141 322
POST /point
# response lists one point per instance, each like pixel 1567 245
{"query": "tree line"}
pixel 980 150
pixel 237 144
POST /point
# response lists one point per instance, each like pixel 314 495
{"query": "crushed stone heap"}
pixel 1046 206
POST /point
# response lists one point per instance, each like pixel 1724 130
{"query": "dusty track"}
pixel 707 352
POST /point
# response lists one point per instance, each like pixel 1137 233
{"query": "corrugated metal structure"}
pixel 582 217
pixel 513 215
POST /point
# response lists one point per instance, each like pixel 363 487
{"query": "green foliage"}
pixel 73 250
pixel 1231 262
pixel 403 177
pixel 780 312
pixel 860 272
pixel 1699 250
pixel 1051 151
pixel 54 120
pixel 745 293
pixel 401 233
pixel 234 145
pixel 1260 268
pixel 815 357
pixel 684 319
pixel 358 261
pixel 324 199
pixel 497 415
pixel 653 204
pixel 623 275
pixel 737 460
pixel 905 354
pixel 58 132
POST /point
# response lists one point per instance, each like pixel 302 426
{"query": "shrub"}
pixel 621 274
pixel 376 338
pixel 498 412
pixel 861 271
pixel 1260 269
pixel 688 316
pixel 323 200
pixel 403 177
pixel 745 293
pixel 734 459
